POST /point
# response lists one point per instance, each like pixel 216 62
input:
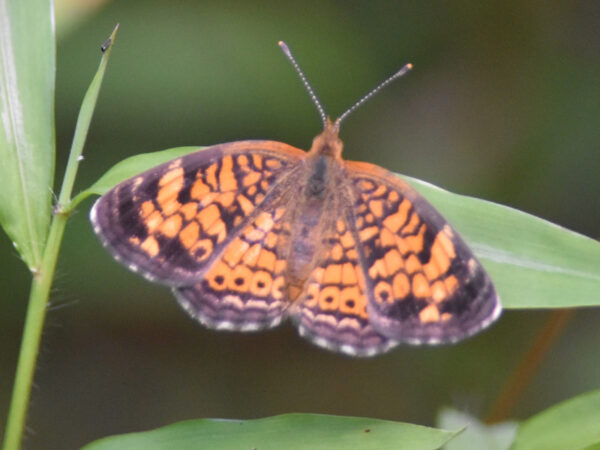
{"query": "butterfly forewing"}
pixel 172 222
pixel 425 284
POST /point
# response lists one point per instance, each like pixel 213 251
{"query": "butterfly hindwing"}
pixel 426 286
pixel 244 289
pixel 171 222
pixel 333 311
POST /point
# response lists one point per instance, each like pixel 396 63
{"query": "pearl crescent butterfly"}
pixel 250 233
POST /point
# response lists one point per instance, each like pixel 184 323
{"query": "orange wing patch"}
pixel 243 288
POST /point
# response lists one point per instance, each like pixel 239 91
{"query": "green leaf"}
pixel 128 168
pixel 572 424
pixel 27 72
pixel 289 431
pixel 83 124
pixel 534 263
pixel 476 434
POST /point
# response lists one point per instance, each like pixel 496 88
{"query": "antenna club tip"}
pixel 283 47
pixel 409 66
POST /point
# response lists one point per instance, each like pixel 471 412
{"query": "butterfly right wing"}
pixel 332 312
pixel 425 284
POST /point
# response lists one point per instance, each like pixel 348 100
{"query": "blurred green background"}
pixel 503 104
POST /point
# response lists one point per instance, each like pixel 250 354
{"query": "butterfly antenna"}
pixel 350 110
pixel 311 93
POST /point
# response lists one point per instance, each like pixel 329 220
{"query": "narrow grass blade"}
pixel 84 119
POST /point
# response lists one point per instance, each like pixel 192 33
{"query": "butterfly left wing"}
pixel 425 284
pixel 171 222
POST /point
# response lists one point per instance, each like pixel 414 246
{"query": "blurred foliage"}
pixel 476 435
pixel 503 104
pixel 570 424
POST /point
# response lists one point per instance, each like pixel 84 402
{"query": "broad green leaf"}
pixel 534 263
pixel 572 424
pixel 476 434
pixel 289 431
pixel 27 72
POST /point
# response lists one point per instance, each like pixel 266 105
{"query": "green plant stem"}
pixel 42 278
pixel 36 313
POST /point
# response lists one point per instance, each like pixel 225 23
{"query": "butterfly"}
pixel 250 233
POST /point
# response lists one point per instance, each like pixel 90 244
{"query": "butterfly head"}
pixel 328 142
